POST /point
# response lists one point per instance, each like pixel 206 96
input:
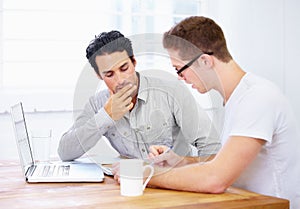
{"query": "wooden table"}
pixel 16 193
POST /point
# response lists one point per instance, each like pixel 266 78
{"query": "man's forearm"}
pixel 191 159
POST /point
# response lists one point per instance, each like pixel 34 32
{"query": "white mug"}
pixel 132 176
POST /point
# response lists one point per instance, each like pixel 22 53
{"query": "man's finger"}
pixel 151 155
pixel 127 93
pixel 154 150
pixel 125 89
pixel 130 106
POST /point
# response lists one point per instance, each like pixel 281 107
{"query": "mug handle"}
pixel 150 175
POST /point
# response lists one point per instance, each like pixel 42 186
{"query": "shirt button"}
pixel 113 134
pixel 143 150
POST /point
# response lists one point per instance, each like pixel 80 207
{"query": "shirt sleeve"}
pixel 255 116
pixel 88 128
pixel 195 124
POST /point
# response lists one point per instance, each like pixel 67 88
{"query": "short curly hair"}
pixel 107 43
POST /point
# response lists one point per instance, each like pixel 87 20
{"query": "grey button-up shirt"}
pixel 165 113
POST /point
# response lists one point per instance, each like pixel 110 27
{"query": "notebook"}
pixel 73 171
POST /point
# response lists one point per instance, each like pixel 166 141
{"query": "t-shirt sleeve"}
pixel 255 116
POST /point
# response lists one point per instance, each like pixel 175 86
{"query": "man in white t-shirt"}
pixel 260 140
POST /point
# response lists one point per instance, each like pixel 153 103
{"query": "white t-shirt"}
pixel 258 109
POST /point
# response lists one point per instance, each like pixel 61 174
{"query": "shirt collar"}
pixel 143 86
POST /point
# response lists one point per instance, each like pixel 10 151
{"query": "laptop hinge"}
pixel 30 171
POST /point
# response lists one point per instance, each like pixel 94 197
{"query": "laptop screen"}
pixel 21 134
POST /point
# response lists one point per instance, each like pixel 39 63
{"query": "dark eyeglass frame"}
pixel 189 64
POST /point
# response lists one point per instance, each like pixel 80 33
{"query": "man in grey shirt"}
pixel 136 111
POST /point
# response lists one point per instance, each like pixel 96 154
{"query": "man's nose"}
pixel 120 78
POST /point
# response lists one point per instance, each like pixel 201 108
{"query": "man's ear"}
pixel 207 61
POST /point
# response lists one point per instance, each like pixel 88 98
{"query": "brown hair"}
pixel 201 32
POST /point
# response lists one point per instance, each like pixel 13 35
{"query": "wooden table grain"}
pixel 16 193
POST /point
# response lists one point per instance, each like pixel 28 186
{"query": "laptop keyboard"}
pixel 54 170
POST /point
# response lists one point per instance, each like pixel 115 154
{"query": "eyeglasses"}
pixel 189 64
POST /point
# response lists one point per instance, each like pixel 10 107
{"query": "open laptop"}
pixel 73 171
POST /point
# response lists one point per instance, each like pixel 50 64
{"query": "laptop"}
pixel 58 171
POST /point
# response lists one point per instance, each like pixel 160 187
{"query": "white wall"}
pixel 263 37
pixel 292 53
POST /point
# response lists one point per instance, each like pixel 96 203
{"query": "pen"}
pixel 167 150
